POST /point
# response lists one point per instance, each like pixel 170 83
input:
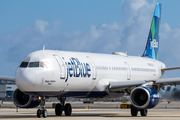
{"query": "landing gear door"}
pixel 62 66
pixel 93 69
pixel 128 71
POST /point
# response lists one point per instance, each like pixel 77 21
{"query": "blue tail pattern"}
pixel 152 45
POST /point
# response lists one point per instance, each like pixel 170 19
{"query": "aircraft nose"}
pixel 25 80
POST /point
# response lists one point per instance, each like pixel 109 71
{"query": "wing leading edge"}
pixel 173 68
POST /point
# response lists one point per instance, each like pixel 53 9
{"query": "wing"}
pixel 118 86
pixel 5 78
pixel 173 68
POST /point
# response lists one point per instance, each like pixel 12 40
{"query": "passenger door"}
pixel 62 66
pixel 93 69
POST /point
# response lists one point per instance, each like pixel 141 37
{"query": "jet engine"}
pixel 23 100
pixel 144 97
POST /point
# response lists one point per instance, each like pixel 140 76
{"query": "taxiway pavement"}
pixel 96 111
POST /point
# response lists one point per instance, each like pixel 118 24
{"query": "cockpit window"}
pixel 24 64
pixel 42 64
pixel 33 64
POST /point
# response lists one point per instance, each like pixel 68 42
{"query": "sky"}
pixel 100 26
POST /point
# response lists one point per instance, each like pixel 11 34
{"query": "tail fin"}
pixel 152 45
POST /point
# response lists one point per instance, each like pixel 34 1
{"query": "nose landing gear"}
pixel 42 112
pixel 60 107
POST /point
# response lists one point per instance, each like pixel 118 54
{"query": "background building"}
pixel 6 90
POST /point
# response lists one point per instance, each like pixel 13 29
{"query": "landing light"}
pixel 39 98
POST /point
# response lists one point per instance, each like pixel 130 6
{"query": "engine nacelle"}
pixel 144 97
pixel 23 100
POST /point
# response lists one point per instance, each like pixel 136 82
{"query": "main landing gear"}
pixel 134 111
pixel 42 112
pixel 60 107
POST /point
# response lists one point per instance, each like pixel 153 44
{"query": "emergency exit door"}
pixel 128 71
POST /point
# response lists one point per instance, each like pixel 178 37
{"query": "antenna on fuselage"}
pixel 44 47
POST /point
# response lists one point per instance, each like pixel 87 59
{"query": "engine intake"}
pixel 23 100
pixel 144 97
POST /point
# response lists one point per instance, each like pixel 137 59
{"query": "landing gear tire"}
pixel 44 113
pixel 67 109
pixel 38 113
pixel 134 111
pixel 143 112
pixel 58 109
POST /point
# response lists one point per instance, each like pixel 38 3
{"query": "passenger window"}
pixel 24 64
pixel 34 64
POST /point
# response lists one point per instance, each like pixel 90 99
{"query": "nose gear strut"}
pixel 42 111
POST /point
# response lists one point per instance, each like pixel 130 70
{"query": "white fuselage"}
pixel 61 73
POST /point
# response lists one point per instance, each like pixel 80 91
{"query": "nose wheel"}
pixel 42 112
pixel 38 113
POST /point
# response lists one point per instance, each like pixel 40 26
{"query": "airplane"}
pixel 51 73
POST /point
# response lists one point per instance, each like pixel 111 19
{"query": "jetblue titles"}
pixel 75 68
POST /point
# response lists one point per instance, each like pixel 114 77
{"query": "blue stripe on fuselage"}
pixel 88 94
